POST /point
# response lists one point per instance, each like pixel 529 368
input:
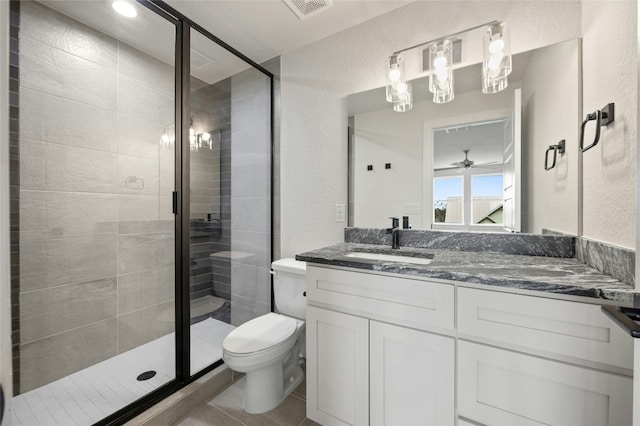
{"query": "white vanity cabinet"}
pixel 362 367
pixel 525 360
pixel 389 350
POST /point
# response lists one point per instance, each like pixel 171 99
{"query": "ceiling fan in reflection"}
pixel 467 164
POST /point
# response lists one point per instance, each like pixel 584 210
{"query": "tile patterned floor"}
pixel 91 394
pixel 226 410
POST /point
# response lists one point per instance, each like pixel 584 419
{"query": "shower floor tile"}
pixel 89 395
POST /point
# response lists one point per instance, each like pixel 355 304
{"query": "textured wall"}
pixel 551 112
pixel 316 78
pixel 96 247
pixel 610 75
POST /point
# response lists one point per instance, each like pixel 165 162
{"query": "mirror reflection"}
pixel 468 183
pixel 477 162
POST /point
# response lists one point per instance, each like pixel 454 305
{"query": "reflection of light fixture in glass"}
pixel 125 8
pixel 204 140
pixel 440 67
pixel 196 141
pixel 168 138
pixel 192 139
pixel 396 82
pixel 497 58
pixel 405 103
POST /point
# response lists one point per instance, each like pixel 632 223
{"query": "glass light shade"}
pixel 396 79
pixel 496 65
pixel 406 103
pixel 441 71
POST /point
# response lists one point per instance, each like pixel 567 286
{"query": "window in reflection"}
pixel 448 200
pixel 486 199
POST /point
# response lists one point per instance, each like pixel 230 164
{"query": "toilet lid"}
pixel 259 334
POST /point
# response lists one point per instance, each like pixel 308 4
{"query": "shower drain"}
pixel 146 375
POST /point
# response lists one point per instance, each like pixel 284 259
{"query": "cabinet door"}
pixel 412 377
pixel 501 387
pixel 337 368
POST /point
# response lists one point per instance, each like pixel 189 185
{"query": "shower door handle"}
pixel 175 202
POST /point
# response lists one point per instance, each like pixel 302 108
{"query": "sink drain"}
pixel 146 375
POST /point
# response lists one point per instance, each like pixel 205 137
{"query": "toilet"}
pixel 268 348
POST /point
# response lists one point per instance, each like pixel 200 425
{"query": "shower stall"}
pixel 140 205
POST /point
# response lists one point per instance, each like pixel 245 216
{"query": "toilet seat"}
pixel 260 334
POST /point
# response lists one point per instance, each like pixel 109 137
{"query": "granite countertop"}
pixel 537 273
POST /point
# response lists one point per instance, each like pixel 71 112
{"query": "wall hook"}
pixel 603 117
pixel 559 148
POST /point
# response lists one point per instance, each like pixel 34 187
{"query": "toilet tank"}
pixel 289 287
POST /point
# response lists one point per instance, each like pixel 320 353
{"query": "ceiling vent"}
pixel 198 59
pixel 305 8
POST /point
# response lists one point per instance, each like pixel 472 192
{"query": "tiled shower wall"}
pixel 250 196
pixel 96 227
pixel 211 190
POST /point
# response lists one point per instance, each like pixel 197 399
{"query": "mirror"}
pixel 414 163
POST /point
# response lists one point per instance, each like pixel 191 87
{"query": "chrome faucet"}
pixel 394 231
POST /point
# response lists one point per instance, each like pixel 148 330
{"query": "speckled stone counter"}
pixel 536 273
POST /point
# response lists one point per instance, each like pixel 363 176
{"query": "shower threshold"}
pixel 89 395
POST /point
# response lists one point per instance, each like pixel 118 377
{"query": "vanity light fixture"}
pixel 441 71
pixel 497 58
pixel 125 8
pixel 396 80
pixel 405 103
pixel 496 66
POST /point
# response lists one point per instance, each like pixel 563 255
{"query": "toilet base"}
pixel 265 389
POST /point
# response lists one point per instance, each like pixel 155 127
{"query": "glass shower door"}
pixel 230 196
pixel 96 248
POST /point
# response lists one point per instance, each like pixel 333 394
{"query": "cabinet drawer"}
pixel 573 329
pixel 414 303
pixel 508 388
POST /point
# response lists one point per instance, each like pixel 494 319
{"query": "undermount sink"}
pixel 389 257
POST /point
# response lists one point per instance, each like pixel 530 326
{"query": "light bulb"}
pixel 443 85
pixel 165 139
pixel 443 75
pixel 206 136
pixel 394 74
pixel 496 46
pixel 495 61
pixel 124 8
pixel 402 87
pixel 440 61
